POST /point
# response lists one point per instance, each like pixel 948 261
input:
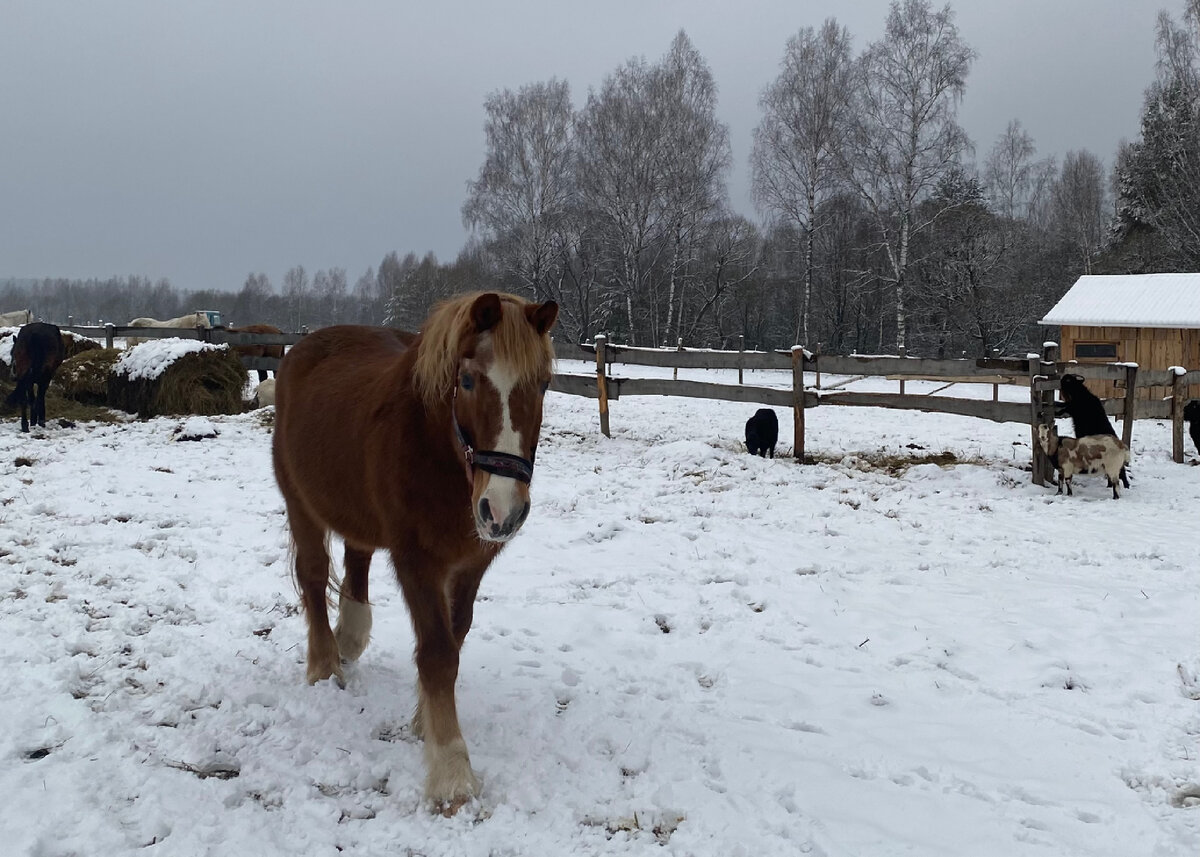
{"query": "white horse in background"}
pixel 190 321
pixel 13 319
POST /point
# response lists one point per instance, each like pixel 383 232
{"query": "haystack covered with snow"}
pixel 84 377
pixel 177 376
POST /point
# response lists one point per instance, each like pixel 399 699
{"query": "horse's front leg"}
pixel 449 780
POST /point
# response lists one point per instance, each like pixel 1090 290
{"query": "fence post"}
pixel 110 330
pixel 1039 461
pixel 1177 403
pixel 602 385
pixel 1131 370
pixel 798 402
pixel 903 353
pixel 741 354
pixel 678 347
pixel 1048 367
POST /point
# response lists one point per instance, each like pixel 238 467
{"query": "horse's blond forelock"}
pixel 528 355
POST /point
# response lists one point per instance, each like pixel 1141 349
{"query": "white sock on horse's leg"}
pixel 353 630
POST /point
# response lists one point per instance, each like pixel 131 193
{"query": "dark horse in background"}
pixel 38 351
pixel 275 351
pixel 423 445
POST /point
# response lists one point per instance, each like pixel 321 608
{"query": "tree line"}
pixel 879 229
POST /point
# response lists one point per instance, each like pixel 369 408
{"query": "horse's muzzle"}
pixel 493 530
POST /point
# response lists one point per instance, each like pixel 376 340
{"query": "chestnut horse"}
pixel 37 353
pixel 275 351
pixel 423 445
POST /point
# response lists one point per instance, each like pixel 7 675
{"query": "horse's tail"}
pixel 334 588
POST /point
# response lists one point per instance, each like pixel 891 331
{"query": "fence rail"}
pixel 216 335
pixel 1039 373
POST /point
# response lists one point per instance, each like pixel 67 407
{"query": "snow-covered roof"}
pixel 1130 300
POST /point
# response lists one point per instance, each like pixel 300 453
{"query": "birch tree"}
pixel 905 134
pixel 696 160
pixel 520 199
pixel 618 168
pixel 295 294
pixel 793 163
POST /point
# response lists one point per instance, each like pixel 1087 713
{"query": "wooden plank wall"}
pixel 1149 347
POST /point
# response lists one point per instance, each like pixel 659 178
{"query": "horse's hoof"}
pixel 321 671
pixel 450 782
pixel 450 808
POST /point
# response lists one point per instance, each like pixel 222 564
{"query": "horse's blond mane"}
pixel 514 341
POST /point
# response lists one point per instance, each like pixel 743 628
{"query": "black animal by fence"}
pixel 1086 412
pixel 38 351
pixel 1191 415
pixel 762 432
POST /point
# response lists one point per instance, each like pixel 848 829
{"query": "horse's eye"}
pixel 468 382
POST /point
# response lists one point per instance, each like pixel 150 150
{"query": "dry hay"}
pixel 84 377
pixel 201 382
pixel 74 343
pixel 72 401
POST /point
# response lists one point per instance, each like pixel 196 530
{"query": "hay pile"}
pixel 84 377
pixel 75 343
pixel 177 376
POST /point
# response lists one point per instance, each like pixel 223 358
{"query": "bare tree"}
pixel 619 172
pixel 793 163
pixel 905 134
pixel 521 197
pixel 1008 171
pixel 329 289
pixel 696 159
pixel 296 293
pixel 1078 205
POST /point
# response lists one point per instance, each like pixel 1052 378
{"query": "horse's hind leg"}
pixel 39 405
pixel 312 576
pixel 353 630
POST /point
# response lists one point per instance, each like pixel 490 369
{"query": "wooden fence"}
pixel 218 336
pixel 1039 373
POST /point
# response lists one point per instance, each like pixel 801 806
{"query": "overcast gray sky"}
pixel 202 141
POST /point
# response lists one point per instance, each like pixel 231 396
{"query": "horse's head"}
pixel 504 367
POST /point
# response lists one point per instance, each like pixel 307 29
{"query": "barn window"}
pixel 1095 351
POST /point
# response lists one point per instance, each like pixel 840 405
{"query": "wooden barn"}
pixel 1149 319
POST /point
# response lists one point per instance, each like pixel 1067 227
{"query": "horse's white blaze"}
pixel 504 493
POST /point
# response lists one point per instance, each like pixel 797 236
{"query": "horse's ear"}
pixel 542 316
pixel 486 312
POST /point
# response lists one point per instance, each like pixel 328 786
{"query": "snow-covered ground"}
pixel 687 651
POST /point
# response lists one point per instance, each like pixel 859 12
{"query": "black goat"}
pixel 37 353
pixel 1086 411
pixel 1191 413
pixel 762 432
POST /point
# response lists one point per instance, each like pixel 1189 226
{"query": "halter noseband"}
pixel 496 463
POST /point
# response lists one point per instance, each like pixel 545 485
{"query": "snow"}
pixel 8 338
pixel 151 358
pixel 687 651
pixel 1130 300
pixel 196 428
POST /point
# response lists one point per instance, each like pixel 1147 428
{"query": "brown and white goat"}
pixel 1097 453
